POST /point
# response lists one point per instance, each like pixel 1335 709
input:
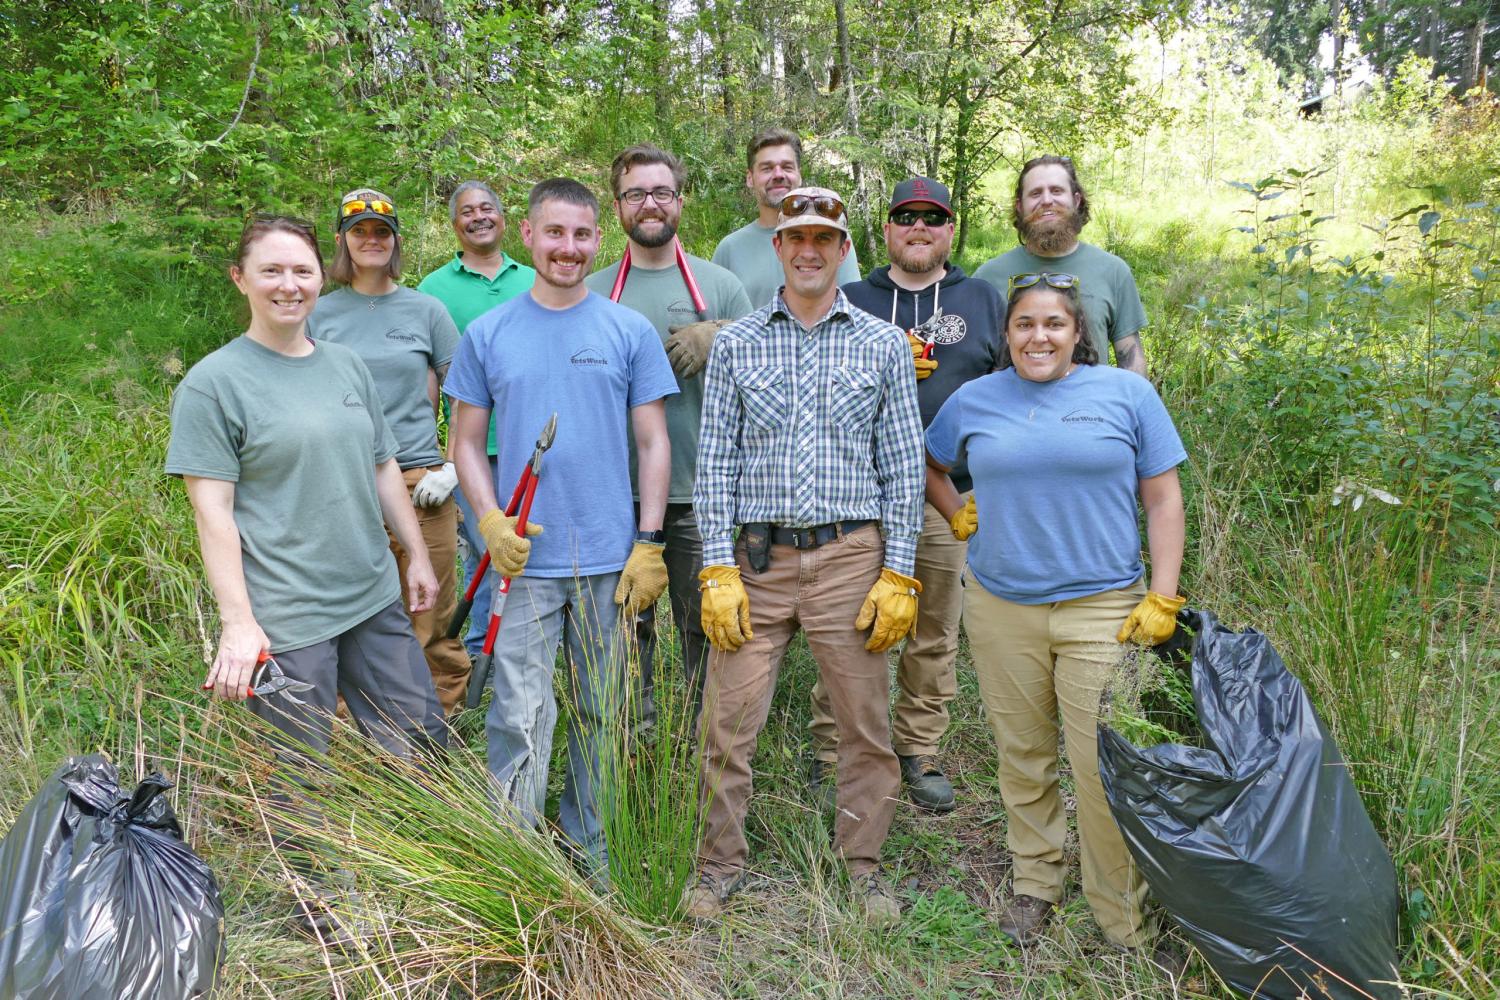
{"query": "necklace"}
pixel 1032 390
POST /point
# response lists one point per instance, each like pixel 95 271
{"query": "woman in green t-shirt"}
pixel 291 471
pixel 406 338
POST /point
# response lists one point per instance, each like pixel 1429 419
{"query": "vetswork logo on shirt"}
pixel 404 336
pixel 352 401
pixel 1082 417
pixel 589 358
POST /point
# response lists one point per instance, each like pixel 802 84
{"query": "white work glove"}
pixel 435 487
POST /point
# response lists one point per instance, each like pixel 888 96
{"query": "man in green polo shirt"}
pixel 479 277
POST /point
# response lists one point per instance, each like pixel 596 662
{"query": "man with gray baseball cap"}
pixel 811 445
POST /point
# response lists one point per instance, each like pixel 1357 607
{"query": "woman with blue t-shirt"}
pixel 406 338
pixel 1061 450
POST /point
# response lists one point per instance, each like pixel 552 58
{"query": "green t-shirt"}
pixel 1111 302
pixel 748 254
pixel 662 297
pixel 468 295
pixel 300 439
pixel 399 337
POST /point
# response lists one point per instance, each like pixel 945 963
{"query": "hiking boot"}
pixel 823 785
pixel 703 901
pixel 1023 918
pixel 928 786
pixel 880 904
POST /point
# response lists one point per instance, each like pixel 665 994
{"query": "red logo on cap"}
pixel 919 186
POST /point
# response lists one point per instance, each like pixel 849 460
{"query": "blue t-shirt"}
pixel 1056 469
pixel 589 364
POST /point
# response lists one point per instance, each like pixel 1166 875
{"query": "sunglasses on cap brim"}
pixel 822 205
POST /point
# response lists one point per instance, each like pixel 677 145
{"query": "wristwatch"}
pixel 658 537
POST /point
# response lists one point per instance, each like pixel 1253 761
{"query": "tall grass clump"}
pixel 648 790
pixel 443 890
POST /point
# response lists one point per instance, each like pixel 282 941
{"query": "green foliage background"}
pixel 1325 329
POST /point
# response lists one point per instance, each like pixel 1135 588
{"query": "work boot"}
pixel 823 785
pixel 874 893
pixel 703 900
pixel 322 912
pixel 929 787
pixel 1023 918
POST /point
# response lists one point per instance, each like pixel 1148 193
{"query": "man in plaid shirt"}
pixel 811 444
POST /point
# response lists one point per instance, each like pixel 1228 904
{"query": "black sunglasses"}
pixel 905 217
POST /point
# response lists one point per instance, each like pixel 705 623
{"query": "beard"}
pixel 922 261
pixel 660 238
pixel 1051 238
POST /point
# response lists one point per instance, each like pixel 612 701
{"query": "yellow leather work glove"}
pixel 726 607
pixel 688 346
pixel 1153 621
pixel 891 606
pixel 643 578
pixel 925 366
pixel 965 520
pixel 508 550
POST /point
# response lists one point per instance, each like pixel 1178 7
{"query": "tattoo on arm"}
pixel 1130 355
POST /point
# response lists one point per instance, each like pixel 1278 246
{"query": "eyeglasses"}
pixel 1052 279
pixel 636 196
pixel 357 205
pixel 934 217
pixel 803 204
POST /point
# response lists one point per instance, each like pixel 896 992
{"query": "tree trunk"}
pixel 1473 52
pixel 661 59
pixel 860 203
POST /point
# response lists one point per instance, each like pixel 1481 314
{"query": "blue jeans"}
pixel 479 618
pixel 538 615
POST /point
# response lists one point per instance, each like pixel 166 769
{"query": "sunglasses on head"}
pixel 1050 279
pixel 934 217
pixel 822 205
pixel 358 205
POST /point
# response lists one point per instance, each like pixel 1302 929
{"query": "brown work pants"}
pixel 821 591
pixel 1036 664
pixel 446 658
pixel 926 679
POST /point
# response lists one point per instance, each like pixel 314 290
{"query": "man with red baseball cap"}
pixel 954 325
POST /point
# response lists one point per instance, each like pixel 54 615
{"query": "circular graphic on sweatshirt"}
pixel 947 328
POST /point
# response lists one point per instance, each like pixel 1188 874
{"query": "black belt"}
pixel 811 538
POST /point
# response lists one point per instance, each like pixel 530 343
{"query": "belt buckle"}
pixel 804 538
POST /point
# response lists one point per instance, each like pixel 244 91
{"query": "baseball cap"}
pixel 366 203
pixel 812 206
pixel 915 189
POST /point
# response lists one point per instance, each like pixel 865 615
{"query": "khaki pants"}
pixel 446 658
pixel 820 590
pixel 926 680
pixel 1036 663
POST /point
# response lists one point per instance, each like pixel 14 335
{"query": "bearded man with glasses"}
pixel 688 300
pixel 1049 211
pixel 954 326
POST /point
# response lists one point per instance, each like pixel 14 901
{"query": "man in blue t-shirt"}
pixel 565 350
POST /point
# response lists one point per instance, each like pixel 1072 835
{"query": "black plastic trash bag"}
pixel 100 899
pixel 1258 845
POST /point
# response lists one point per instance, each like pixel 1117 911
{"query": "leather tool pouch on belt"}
pixel 757 539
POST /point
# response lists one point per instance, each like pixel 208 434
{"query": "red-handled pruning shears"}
pixel 682 265
pixel 519 507
pixel 268 679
